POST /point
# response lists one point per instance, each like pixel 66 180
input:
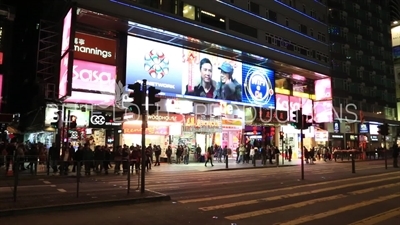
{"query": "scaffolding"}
pixel 48 58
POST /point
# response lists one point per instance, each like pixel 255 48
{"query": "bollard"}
pixel 226 161
pixel 48 166
pixel 78 177
pixel 353 164
pixel 16 174
pixel 386 162
pixel 129 178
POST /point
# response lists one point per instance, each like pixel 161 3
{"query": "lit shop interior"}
pixel 190 130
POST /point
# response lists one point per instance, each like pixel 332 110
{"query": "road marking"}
pixel 306 219
pixel 283 208
pixel 25 186
pixel 280 197
pixel 362 191
pixel 61 190
pixel 53 185
pixel 296 205
pixel 379 218
pixel 281 189
pixel 46 182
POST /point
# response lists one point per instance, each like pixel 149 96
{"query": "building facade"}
pixel 362 74
pixel 283 44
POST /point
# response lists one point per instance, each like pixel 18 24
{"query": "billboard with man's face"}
pixel 180 72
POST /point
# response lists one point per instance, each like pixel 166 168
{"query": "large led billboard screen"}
pixel 65 72
pixel 323 89
pixel 180 72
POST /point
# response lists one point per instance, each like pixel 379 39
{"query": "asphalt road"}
pixel 329 195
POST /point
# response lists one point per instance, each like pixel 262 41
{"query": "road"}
pixel 330 195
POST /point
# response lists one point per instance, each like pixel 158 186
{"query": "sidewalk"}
pixel 27 204
pixel 194 166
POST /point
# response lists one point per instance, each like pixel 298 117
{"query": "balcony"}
pixel 337 39
pixel 335 5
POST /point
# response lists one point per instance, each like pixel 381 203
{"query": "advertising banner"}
pixel 93 77
pixel 92 83
pixel 363 128
pixel 323 112
pixel 323 89
pixel 336 126
pixel 395 36
pixel 102 120
pixel 179 72
pixel 373 129
pixel 95 49
pixel 66 33
pixel 82 118
pixel 91 98
pixel 65 73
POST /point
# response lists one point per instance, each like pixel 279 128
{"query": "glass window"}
pixel 189 11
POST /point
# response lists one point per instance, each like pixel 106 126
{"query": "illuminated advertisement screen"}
pixel 66 33
pixel 93 83
pixel 323 112
pixel 396 52
pixel 64 88
pixel 323 89
pixel 62 85
pixel 179 72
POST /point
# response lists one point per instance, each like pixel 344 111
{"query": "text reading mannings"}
pixel 80 47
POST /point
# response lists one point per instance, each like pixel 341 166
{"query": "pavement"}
pixel 330 194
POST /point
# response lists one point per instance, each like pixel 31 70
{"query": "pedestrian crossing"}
pixel 368 200
pixel 171 180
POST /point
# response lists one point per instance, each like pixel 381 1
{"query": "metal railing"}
pixel 26 177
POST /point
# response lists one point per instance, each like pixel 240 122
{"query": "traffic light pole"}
pixel 384 143
pixel 67 121
pixel 301 144
pixel 144 126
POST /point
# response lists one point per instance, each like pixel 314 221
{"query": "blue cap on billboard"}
pixel 226 67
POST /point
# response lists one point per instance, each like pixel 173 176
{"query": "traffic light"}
pixel 137 95
pixel 57 120
pixel 297 118
pixel 153 99
pixel 306 123
pixel 72 122
pixel 281 135
pixel 383 129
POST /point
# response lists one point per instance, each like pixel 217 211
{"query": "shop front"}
pixel 352 141
pixel 336 140
pixel 203 131
pixel 321 137
pixel 75 136
pixel 103 130
pixel 162 129
pixel 292 139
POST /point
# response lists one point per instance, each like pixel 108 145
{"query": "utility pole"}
pixel 302 143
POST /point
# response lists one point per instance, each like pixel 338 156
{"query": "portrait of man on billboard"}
pixel 228 87
pixel 207 86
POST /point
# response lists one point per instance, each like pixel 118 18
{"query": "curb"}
pixel 248 168
pixel 85 205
